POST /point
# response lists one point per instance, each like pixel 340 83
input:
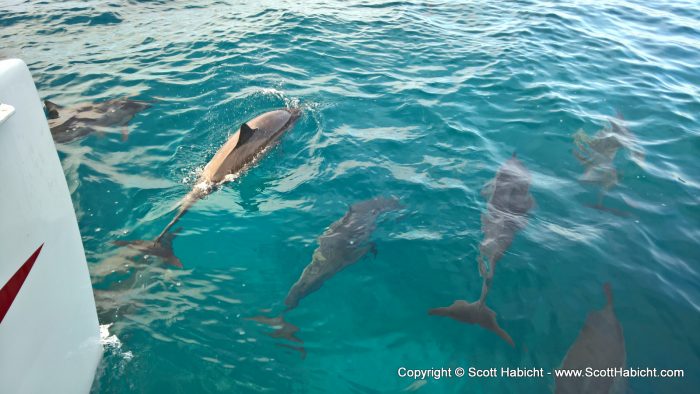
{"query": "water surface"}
pixel 422 100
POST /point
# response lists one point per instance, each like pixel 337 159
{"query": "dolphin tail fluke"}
pixel 474 313
pixel 283 329
pixel 299 349
pixel 503 334
pixel 486 318
pixel 162 248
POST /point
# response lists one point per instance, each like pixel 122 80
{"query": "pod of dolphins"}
pixel 600 344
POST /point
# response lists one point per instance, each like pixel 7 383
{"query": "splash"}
pixel 112 344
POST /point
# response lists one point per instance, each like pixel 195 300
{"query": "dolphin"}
pixel 341 245
pixel 600 345
pixel 243 149
pixel 509 201
pixel 344 243
pixel 597 154
pixel 68 124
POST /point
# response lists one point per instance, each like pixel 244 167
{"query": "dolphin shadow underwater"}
pixel 597 154
pixel 243 149
pixel 343 243
pixel 68 124
pixel 600 345
pixel 509 201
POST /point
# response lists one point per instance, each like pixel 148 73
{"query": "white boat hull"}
pixel 49 333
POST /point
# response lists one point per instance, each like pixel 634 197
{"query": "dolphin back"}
pixel 249 140
pixel 510 190
pixel 599 345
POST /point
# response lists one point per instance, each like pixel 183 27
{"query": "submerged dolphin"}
pixel 341 245
pixel 241 150
pixel 600 345
pixel 344 243
pixel 597 154
pixel 68 124
pixel 509 201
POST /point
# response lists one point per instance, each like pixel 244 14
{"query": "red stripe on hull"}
pixel 13 286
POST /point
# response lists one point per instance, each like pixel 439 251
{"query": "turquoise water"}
pixel 419 100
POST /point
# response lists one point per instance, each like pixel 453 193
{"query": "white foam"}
pixel 112 342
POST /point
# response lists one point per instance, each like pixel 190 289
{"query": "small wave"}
pixel 105 18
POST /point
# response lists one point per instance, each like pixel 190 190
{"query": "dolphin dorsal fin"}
pixel 487 190
pixel 245 133
pixel 51 109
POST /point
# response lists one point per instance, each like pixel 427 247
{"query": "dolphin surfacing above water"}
pixel 344 243
pixel 509 201
pixel 600 345
pixel 243 149
pixel 68 124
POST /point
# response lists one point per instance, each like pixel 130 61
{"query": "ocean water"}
pixel 421 100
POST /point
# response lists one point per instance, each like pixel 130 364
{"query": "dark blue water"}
pixel 419 100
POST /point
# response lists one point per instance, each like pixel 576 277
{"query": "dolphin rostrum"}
pixel 68 124
pixel 600 345
pixel 344 243
pixel 597 155
pixel 243 149
pixel 509 201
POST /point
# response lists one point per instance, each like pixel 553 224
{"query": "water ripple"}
pixel 422 100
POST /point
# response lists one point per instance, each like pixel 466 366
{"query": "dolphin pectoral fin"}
pixel 284 329
pixel 373 249
pixel 487 189
pixel 531 203
pixel 125 133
